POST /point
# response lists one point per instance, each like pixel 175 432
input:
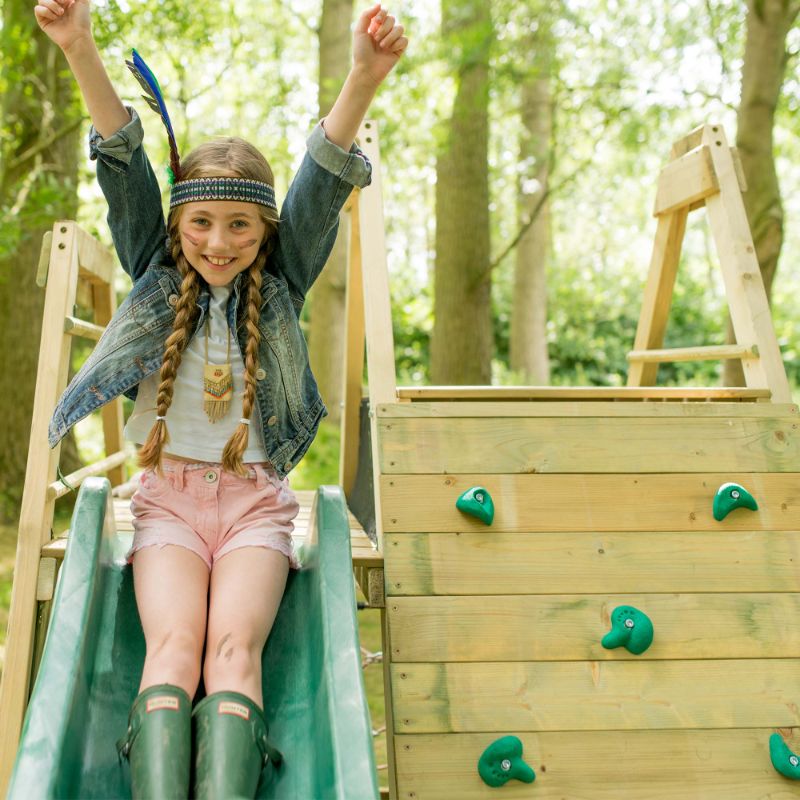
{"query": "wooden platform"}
pixel 365 554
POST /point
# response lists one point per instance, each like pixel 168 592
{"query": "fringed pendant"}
pixel 217 390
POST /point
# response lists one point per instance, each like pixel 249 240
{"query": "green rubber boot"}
pixel 158 743
pixel 231 747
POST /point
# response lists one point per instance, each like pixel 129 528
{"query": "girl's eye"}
pixel 199 221
pixel 238 221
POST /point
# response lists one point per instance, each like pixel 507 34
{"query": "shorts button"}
pixel 210 476
pixel 260 374
pixel 272 420
pixel 287 466
pixel 173 300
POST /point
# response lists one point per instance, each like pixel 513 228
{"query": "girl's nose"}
pixel 217 239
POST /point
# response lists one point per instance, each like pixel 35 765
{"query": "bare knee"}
pixel 233 658
pixel 173 657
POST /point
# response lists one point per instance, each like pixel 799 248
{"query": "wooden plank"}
pixel 570 627
pixel 353 368
pixel 105 304
pixel 685 180
pixel 658 291
pixel 377 308
pixel 36 513
pixel 595 695
pixel 588 445
pixel 643 392
pixel 495 563
pixel 609 765
pixel 744 287
pixel 572 408
pixel 72 481
pixel 79 327
pixel 525 503
pixel 95 261
pixel 709 353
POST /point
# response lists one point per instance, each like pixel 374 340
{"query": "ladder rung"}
pixel 55 548
pixel 714 352
pixel 79 327
pixel 59 488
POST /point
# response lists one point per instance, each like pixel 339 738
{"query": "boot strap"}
pixel 269 751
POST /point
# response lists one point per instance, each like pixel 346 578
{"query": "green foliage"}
pixel 320 465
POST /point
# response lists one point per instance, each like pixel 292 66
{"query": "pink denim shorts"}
pixel 211 512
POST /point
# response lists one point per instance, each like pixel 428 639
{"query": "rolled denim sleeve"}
pixel 310 213
pixel 135 215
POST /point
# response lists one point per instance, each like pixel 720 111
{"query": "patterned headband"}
pixel 249 191
pixel 222 189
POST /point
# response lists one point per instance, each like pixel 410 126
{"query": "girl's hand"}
pixel 378 43
pixel 64 21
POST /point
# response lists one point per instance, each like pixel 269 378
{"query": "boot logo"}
pixel 237 709
pixel 165 701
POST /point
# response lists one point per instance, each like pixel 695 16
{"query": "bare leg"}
pixel 171 585
pixel 246 590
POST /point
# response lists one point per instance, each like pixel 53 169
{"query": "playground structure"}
pixel 604 499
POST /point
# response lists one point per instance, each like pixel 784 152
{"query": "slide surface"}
pixel 92 662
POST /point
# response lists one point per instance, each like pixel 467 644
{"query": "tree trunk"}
pixel 327 298
pixel 40 109
pixel 461 343
pixel 528 344
pixel 765 57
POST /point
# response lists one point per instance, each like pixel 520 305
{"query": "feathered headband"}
pixel 187 191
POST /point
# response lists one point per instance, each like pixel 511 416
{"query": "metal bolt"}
pixel 505 765
pixel 629 623
pixel 794 760
pixel 479 497
pixel 735 494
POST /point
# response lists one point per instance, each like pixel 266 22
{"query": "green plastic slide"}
pixel 92 663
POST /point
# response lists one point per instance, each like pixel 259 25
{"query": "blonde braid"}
pixel 237 444
pixel 186 308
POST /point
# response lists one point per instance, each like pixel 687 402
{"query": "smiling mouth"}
pixel 218 263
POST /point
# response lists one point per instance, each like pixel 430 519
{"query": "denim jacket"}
pixel 132 346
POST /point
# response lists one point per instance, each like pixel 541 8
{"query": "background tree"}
pixel 765 59
pixel 39 120
pixel 528 336
pixel 327 297
pixel 461 345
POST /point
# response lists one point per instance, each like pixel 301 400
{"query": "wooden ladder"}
pixel 705 171
pixel 76 269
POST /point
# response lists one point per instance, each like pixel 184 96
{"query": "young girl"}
pixel 208 344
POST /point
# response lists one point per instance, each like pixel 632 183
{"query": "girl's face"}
pixel 220 238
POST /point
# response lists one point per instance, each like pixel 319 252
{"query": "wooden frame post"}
pixel 704 171
pixel 75 267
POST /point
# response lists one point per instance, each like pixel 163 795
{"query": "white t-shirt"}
pixel 191 433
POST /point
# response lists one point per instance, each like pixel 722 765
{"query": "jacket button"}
pixel 272 420
pixel 173 300
pixel 260 374
pixel 287 466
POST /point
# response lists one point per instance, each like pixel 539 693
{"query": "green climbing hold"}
pixel 783 759
pixel 502 761
pixel 478 503
pixel 730 496
pixel 631 629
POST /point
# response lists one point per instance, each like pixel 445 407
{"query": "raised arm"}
pixel 68 24
pixel 130 187
pixel 378 43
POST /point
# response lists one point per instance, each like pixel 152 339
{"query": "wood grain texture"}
pixel 608 765
pixel 524 503
pixel 589 445
pixel 489 563
pixel 570 627
pixel 595 695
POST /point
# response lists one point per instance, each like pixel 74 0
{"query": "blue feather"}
pixel 155 100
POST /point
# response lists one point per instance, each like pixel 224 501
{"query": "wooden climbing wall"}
pixel 497 630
